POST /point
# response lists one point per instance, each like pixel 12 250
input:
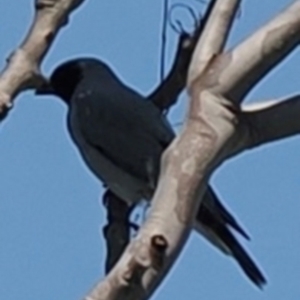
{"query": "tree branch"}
pixel 23 68
pixel 168 91
pixel 250 61
pixel 206 139
pixel 117 230
pixel 261 123
pixel 213 37
pixel 166 94
pixel 185 167
pixel 275 122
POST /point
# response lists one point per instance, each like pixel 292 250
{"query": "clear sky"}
pixel 50 215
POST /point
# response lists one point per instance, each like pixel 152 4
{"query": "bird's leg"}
pixel 117 230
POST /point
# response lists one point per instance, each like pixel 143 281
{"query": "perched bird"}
pixel 121 136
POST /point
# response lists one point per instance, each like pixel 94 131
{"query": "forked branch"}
pixel 217 83
pixel 168 91
pixel 23 66
pixel 250 61
pixel 205 141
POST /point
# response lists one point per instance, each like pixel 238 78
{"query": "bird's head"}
pixel 66 77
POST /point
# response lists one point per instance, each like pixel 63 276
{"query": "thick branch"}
pixel 242 68
pixel 278 121
pixel 166 94
pixel 213 37
pixel 186 165
pixel 23 69
pixel 117 230
pixel 266 122
pixel 205 141
pixel 189 161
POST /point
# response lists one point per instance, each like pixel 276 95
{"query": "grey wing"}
pixel 130 131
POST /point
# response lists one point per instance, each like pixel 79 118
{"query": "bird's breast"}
pixel 123 184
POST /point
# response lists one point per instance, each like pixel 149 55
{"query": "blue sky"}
pixel 50 213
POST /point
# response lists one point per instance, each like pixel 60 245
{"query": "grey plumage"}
pixel 121 136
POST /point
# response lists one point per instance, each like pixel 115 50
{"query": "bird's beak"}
pixel 45 89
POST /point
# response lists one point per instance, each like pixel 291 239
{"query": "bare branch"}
pixel 206 140
pixel 213 37
pixel 276 122
pixel 255 57
pixel 166 94
pixel 187 162
pixel 23 69
pixel 266 122
pixel 185 167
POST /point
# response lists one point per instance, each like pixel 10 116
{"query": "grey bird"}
pixel 121 136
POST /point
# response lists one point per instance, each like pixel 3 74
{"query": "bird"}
pixel 121 136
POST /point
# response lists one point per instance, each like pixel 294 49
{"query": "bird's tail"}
pixel 218 233
pixel 241 256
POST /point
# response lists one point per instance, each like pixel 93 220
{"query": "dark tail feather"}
pixel 217 232
pixel 241 256
pixel 224 213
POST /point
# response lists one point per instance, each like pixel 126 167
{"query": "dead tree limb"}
pixel 205 141
pixel 250 61
pixel 185 167
pixel 266 122
pixel 216 85
pixel 23 66
pixel 166 94
pixel 213 37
